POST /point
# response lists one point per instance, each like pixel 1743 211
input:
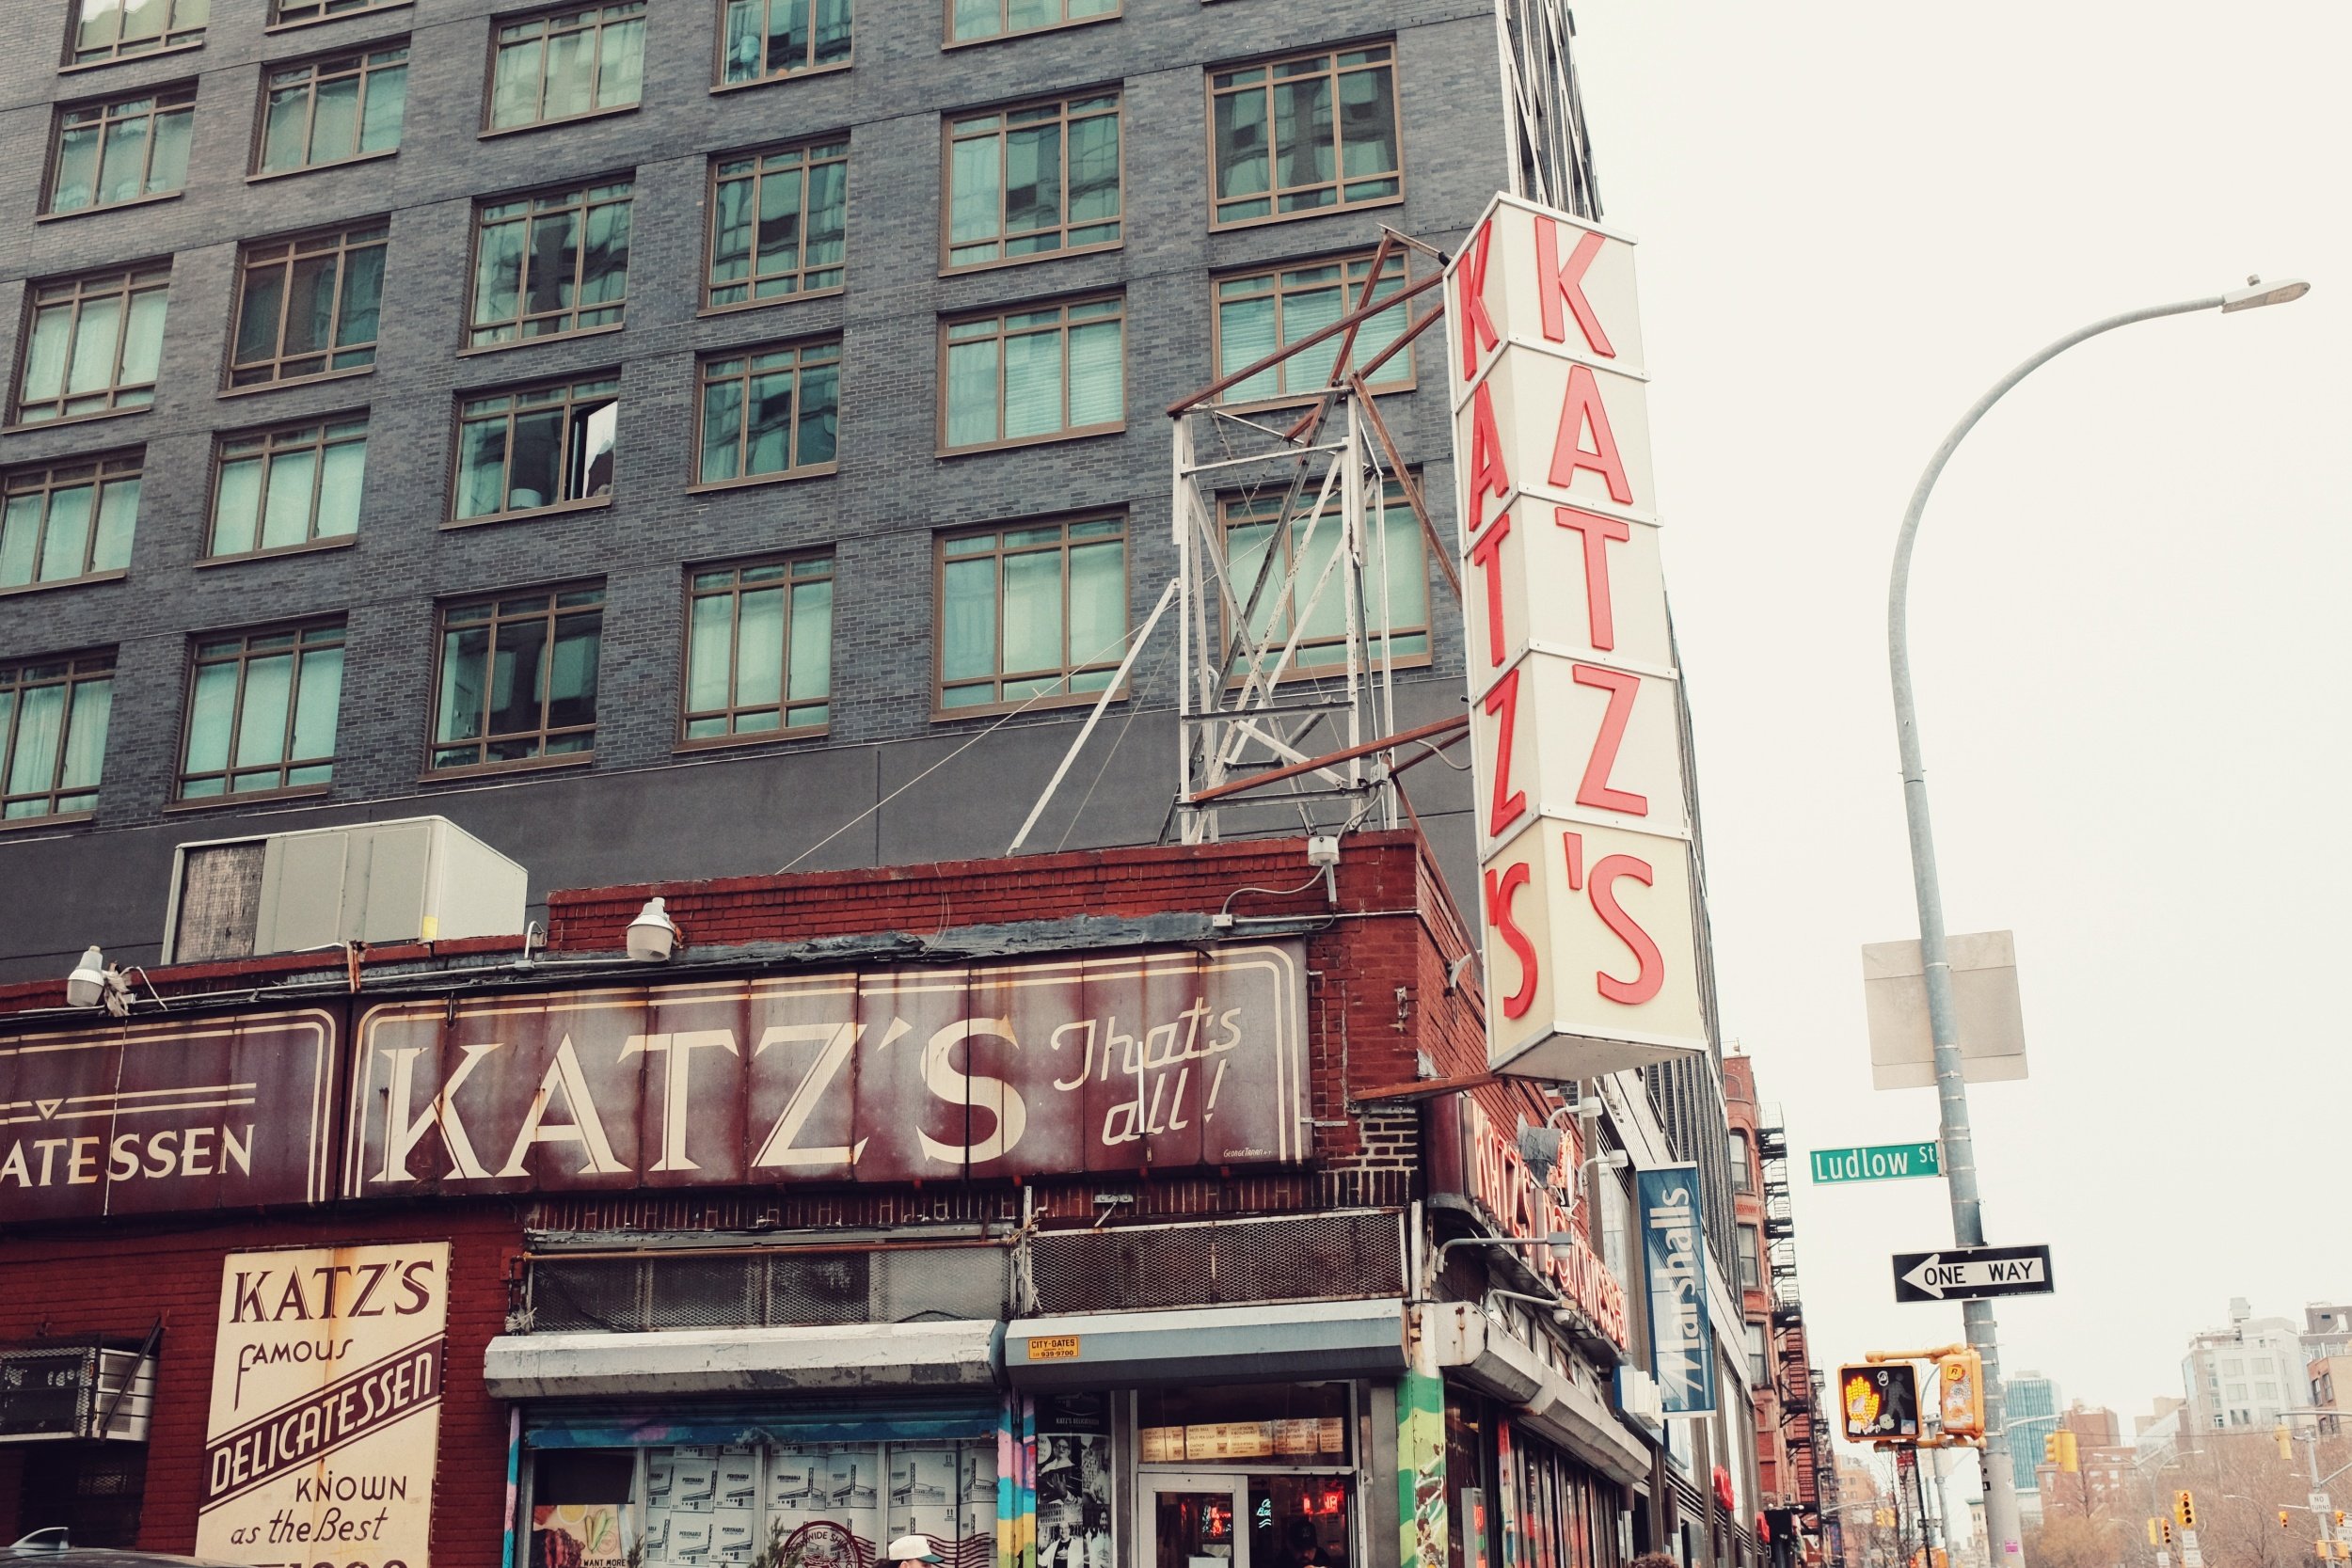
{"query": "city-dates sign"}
pixel 1583 830
pixel 167 1116
pixel 1156 1059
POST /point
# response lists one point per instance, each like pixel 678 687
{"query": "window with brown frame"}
pixel 107 30
pixel 535 448
pixel 282 489
pixel 758 648
pixel 1036 180
pixel 565 64
pixel 518 677
pixel 286 13
pixel 764 40
pixel 970 21
pixel 308 306
pixel 1033 376
pixel 779 223
pixel 332 110
pixel 1395 578
pixel 69 522
pixel 261 710
pixel 124 150
pixel 1307 134
pixel 550 262
pixel 1258 312
pixel 53 734
pixel 1030 611
pixel 768 412
pixel 94 344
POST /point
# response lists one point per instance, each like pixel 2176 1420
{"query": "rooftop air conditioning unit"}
pixel 419 878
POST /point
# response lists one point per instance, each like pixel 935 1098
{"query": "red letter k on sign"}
pixel 1561 285
pixel 1470 285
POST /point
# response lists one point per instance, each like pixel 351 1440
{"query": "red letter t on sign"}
pixel 1597 531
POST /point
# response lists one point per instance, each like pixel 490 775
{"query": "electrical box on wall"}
pixel 417 879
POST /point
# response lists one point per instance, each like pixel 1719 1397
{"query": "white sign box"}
pixel 1588 895
pixel 1564 579
pixel 324 1429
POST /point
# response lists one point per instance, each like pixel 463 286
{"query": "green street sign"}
pixel 1878 1162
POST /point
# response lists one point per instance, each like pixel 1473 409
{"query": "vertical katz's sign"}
pixel 1583 836
pixel 327 1407
pixel 1674 1246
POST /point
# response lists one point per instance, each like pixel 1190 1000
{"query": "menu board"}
pixel 1305 1440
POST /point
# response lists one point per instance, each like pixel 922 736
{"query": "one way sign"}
pixel 1972 1273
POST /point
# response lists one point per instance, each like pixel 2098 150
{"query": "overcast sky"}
pixel 2130 622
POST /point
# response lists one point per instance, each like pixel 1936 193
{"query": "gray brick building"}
pixel 102 101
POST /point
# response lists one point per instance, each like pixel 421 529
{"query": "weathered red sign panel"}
pixel 1162 1058
pixel 147 1118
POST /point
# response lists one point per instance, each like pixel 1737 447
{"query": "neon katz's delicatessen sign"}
pixel 1583 834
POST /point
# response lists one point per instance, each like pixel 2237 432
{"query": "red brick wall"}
pixel 119 1283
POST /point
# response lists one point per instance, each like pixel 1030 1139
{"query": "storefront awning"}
pixel 1576 1413
pixel 1209 1344
pixel 955 1354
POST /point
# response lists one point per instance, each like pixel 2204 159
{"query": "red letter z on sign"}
pixel 1470 284
pixel 1559 285
pixel 1499 892
pixel 1595 789
pixel 1509 804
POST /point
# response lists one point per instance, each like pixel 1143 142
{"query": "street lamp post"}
pixel 1960 1164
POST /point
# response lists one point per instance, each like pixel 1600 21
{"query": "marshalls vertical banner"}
pixel 1583 836
pixel 327 1407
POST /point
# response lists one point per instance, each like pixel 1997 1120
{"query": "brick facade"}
pixel 120 1281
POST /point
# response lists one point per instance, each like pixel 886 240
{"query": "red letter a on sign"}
pixel 1579 409
pixel 1488 477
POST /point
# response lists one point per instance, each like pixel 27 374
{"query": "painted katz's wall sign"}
pixel 1583 836
pixel 150 1119
pixel 1155 1059
pixel 324 1429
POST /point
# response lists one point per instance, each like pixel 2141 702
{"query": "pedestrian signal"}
pixel 2184 1510
pixel 1879 1402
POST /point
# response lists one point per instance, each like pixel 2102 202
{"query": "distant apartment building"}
pixel 2101 1482
pixel 2245 1376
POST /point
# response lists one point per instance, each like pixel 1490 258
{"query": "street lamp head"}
pixel 2258 293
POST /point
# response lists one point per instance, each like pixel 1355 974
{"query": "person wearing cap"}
pixel 912 1548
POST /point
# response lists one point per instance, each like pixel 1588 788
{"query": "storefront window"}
pixel 1299 1521
pixel 1566 1515
pixel 819 1505
pixel 1285 1423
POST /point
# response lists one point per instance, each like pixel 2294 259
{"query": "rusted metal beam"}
pixel 1412 491
pixel 1427 1088
pixel 1184 405
pixel 1421 732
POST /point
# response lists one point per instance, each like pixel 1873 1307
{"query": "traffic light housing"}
pixel 2286 1440
pixel 2184 1510
pixel 2069 1452
pixel 1879 1402
pixel 2339 1518
pixel 2168 1530
pixel 2283 1522
pixel 2049 1448
pixel 1959 1391
pixel 2153 1539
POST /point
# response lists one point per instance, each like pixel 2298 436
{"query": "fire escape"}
pixel 1798 1388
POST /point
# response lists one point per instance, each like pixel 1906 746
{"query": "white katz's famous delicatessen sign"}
pixel 327 1407
pixel 1154 1058
pixel 1583 836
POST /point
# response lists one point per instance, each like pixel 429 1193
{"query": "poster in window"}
pixel 577 1535
pixel 1073 1482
